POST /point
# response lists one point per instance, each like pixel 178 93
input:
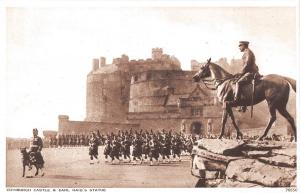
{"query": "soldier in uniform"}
pixel 248 72
pixel 93 148
pixel 126 143
pixel 137 148
pixel 115 149
pixel 176 147
pixel 59 141
pixel 146 147
pixel 165 150
pixel 107 148
pixel 36 146
pixel 154 151
pixel 55 141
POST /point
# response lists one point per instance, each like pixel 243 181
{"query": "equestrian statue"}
pixel 247 89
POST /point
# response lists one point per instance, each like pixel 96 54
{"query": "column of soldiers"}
pixel 128 136
pixel 73 140
pixel 142 146
pixel 130 145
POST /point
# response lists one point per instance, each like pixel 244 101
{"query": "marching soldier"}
pixel 146 147
pixel 137 148
pixel 126 143
pixel 164 148
pixel 115 149
pixel 176 147
pixel 93 149
pixel 107 148
pixel 154 151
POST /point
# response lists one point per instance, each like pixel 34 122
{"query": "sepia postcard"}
pixel 109 96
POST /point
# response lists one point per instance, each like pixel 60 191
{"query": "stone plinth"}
pixel 232 163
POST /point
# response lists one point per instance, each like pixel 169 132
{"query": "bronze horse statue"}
pixel 272 88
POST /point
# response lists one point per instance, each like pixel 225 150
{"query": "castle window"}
pixel 196 111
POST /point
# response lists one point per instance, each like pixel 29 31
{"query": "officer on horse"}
pixel 36 146
pixel 249 72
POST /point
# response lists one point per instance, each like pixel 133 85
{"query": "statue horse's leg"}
pixel 272 110
pixel 224 120
pixel 289 118
pixel 238 132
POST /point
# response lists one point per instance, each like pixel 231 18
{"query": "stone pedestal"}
pixel 231 163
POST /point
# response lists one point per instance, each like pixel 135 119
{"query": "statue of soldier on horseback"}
pixel 249 72
pixel 237 90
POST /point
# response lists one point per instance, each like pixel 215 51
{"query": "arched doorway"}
pixel 196 128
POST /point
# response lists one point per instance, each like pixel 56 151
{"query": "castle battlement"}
pixel 157 53
pixel 158 61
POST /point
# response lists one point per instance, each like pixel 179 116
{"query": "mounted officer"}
pixel 36 146
pixel 250 70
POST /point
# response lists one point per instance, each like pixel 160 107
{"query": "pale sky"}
pixel 50 50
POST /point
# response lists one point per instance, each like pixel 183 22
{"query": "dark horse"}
pixel 30 160
pixel 272 88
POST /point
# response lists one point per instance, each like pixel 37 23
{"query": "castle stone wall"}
pixel 173 121
pixel 84 127
pixel 149 90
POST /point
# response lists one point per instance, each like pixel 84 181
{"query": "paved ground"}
pixel 69 167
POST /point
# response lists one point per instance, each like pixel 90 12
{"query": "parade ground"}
pixel 70 167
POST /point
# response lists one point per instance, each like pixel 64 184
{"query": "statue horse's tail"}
pixel 291 81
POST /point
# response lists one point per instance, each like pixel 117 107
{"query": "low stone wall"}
pixel 84 127
pixel 232 163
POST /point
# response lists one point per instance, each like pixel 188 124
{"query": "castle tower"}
pixel 108 88
pixel 124 58
pixel 102 61
pixel 106 99
pixel 157 53
pixel 63 122
pixel 95 64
